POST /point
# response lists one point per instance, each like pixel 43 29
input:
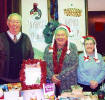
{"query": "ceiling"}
pixel 96 5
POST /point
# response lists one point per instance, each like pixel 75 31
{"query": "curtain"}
pixel 7 7
pixel 3 15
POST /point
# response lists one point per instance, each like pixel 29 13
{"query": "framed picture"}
pixel 33 74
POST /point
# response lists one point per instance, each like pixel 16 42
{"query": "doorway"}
pixel 96 28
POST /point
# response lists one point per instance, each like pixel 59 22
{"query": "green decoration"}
pixel 49 30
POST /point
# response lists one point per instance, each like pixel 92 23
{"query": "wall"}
pixel 96 5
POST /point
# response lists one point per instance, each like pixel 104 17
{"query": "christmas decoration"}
pixel 58 65
pixel 36 11
pixel 72 12
pixel 54 9
pixel 49 29
pixel 23 76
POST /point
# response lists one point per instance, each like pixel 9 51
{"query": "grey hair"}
pixel 15 14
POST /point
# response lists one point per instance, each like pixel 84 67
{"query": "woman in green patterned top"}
pixel 62 60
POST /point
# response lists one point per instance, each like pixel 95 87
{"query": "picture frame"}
pixel 35 68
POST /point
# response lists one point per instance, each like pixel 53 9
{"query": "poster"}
pixel 72 13
pixel 34 19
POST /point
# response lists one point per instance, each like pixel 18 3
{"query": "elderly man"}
pixel 14 47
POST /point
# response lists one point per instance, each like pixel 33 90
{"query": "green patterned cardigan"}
pixel 68 75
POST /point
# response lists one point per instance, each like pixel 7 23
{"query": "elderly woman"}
pixel 91 70
pixel 62 60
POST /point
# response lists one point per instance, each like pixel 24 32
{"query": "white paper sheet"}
pixel 33 76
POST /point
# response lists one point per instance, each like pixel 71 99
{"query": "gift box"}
pixel 14 86
pixel 11 95
pixel 3 88
pixel 49 91
pixel 34 94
